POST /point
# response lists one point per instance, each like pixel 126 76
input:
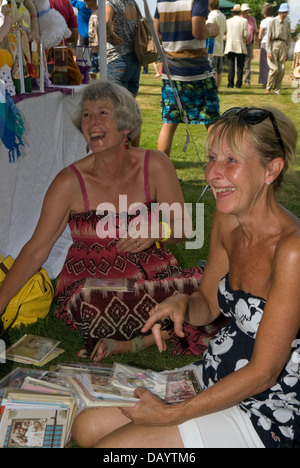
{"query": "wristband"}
pixel 167 232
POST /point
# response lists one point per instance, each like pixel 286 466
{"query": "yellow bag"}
pixel 33 301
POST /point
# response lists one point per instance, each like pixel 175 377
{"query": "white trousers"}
pixel 230 428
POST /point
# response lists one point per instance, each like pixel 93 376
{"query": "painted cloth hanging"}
pixel 11 128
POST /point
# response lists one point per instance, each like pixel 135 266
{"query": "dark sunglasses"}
pixel 254 116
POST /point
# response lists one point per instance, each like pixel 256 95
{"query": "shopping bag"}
pixel 144 47
pixel 32 302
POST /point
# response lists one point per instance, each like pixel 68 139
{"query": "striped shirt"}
pixel 187 57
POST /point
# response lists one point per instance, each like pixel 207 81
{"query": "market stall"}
pixel 51 142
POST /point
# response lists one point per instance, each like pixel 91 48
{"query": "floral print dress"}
pixel 274 413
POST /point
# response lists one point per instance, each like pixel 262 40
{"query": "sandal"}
pixel 109 343
pixel 138 345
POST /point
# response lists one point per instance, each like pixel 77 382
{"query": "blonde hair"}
pixel 233 129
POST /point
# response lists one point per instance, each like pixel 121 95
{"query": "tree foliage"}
pixel 297 30
pixel 256 6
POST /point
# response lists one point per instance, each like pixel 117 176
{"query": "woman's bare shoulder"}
pixel 63 186
pixel 65 178
pixel 287 252
pixel 289 245
pixel 158 159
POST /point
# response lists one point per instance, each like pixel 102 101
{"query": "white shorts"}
pixel 230 428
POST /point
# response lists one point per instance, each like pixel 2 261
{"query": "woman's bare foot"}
pixel 108 347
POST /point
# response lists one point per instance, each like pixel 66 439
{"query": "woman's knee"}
pixel 84 431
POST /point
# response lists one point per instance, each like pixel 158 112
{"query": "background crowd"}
pixel 239 33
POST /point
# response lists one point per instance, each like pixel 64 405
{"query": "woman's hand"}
pixel 173 307
pixel 131 245
pixel 138 239
pixel 150 410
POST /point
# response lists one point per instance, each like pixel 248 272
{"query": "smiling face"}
pixel 237 181
pixel 99 126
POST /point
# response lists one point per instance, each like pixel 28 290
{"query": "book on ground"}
pixel 35 350
pixel 33 419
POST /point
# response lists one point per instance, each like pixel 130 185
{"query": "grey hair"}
pixel 126 110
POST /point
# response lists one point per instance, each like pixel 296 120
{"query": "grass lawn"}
pixel 189 167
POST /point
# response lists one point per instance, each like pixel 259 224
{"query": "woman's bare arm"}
pixel 276 333
pixel 201 308
pixel 52 222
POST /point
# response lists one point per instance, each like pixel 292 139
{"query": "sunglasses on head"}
pixel 254 116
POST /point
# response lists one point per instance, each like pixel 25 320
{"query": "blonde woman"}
pixel 250 374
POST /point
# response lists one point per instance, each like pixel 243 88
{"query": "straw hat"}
pixel 236 7
pixel 297 72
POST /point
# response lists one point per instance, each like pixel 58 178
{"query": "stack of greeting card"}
pixel 38 406
pixel 35 350
pixel 35 415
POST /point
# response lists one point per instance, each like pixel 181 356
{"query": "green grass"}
pixel 189 167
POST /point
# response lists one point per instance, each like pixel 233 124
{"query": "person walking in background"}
pixel 93 35
pixel 296 61
pixel 183 30
pixel 83 17
pixel 121 21
pixel 252 34
pixel 217 59
pixel 235 48
pixel 278 43
pixel 65 9
pixel 267 11
pixel 122 65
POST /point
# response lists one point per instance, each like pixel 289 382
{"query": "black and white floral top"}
pixel 275 413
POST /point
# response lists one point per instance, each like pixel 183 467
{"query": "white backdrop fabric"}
pixel 51 142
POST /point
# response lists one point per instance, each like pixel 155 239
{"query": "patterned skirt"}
pixel 121 315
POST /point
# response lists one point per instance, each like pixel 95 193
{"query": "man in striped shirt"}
pixel 181 26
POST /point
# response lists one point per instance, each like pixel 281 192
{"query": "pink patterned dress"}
pixel 118 315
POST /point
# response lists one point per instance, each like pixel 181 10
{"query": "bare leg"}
pixel 108 427
pixel 218 78
pixel 157 73
pixel 165 138
pixel 132 435
pixel 121 347
pixel 91 425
